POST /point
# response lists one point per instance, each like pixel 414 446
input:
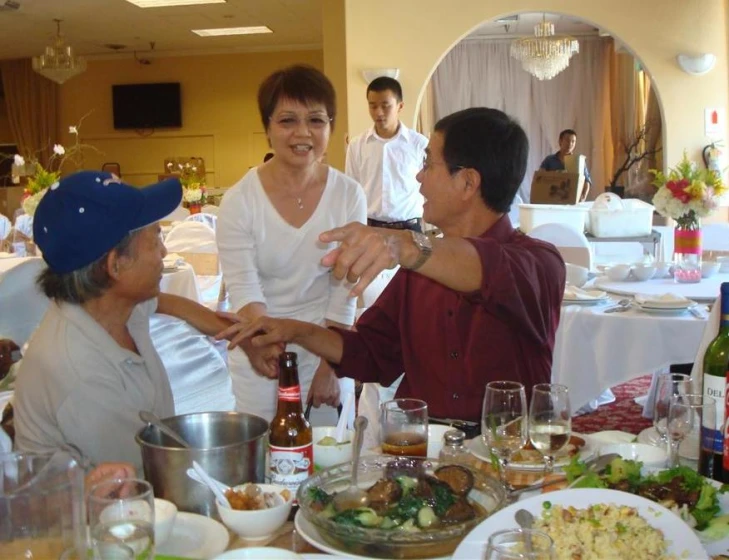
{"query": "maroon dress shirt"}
pixel 450 344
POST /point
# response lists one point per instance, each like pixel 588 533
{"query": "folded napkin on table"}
pixel 173 260
pixel 573 292
pixel 667 298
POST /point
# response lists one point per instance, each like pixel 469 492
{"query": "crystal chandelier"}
pixel 58 63
pixel 544 55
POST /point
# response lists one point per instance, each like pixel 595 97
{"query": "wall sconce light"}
pixel 696 65
pixel 370 74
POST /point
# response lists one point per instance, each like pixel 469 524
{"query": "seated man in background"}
pixel 91 366
pixel 555 162
pixel 480 304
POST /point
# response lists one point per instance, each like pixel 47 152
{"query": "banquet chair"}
pixel 571 244
pixel 715 240
pixel 24 225
pixel 196 367
pixel 22 304
pixel 210 209
pixel 204 218
pixel 177 215
pixel 195 242
pixel 5 228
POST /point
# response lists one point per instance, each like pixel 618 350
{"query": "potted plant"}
pixel 635 151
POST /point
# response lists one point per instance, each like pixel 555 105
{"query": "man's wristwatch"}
pixel 425 248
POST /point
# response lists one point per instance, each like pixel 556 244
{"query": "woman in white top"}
pixel 268 236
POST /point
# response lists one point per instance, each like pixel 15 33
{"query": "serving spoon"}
pixel 525 520
pixel 354 497
pixel 154 420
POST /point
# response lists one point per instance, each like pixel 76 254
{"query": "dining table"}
pixel 595 350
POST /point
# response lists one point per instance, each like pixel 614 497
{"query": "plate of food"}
pixel 529 459
pixel 585 522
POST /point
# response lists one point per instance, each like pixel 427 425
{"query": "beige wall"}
pixel 334 42
pixel 414 35
pixel 219 113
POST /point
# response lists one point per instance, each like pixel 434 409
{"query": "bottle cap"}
pixel 287 360
pixel 454 437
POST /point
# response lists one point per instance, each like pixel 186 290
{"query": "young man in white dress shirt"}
pixel 386 159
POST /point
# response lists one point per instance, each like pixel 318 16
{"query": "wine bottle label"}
pixel 290 466
pixel 714 387
pixel 290 394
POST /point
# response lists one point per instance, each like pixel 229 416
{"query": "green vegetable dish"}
pixel 408 503
pixel 681 489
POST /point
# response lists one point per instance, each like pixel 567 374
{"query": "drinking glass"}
pixel 504 421
pixel 509 544
pixel 404 427
pixel 121 517
pixel 42 512
pixel 690 417
pixel 667 386
pixel 550 421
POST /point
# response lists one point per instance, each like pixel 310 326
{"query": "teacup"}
pixel 618 272
pixel 643 271
pixel 662 269
pixel 709 268
pixel 576 275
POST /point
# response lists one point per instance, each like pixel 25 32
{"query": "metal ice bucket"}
pixel 230 446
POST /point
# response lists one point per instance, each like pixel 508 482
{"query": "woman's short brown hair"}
pixel 299 82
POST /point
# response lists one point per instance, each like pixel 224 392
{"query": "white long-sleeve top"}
pixel 386 169
pixel 265 259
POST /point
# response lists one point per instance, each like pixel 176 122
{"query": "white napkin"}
pixel 172 260
pixel 369 407
pixel 667 298
pixel 573 292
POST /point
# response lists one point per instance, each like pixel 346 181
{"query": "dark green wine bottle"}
pixel 714 453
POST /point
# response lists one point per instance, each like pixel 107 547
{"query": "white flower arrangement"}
pixel 192 195
pixel 31 202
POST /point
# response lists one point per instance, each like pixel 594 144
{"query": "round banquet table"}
pixel 181 282
pixel 595 351
pixel 705 291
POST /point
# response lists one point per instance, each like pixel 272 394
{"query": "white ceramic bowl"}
pixel 435 439
pixel 649 455
pixel 258 553
pixel 709 268
pixel 643 271
pixel 326 456
pixel 576 275
pixel 165 513
pixel 618 272
pixel 724 264
pixel 256 525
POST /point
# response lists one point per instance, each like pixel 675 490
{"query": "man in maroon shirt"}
pixel 480 304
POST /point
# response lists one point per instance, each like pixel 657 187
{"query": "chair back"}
pixel 112 167
pixel 195 242
pixel 204 218
pixel 22 304
pixel 571 243
pixel 24 225
pixel 191 237
pixel 5 227
pixel 715 240
pixel 177 215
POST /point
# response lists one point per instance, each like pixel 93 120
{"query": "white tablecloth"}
pixel 182 282
pixel 594 351
pixel 706 291
pixel 6 263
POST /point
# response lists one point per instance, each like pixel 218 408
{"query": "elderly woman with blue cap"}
pixel 91 366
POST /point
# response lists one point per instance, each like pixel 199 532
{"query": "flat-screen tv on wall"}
pixel 147 105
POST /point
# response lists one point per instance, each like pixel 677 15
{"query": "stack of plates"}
pixel 664 305
pixel 577 296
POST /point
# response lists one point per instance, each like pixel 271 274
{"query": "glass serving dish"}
pixel 487 493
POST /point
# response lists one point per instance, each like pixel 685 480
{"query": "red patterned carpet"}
pixel 623 414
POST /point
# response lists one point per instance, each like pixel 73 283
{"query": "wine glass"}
pixel 689 415
pixel 509 544
pixel 504 421
pixel 121 517
pixel 667 386
pixel 550 421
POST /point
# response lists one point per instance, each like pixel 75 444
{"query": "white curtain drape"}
pixel 481 73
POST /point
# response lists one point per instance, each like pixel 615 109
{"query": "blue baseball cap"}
pixel 85 215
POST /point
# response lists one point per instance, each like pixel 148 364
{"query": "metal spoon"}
pixel 154 420
pixel 525 520
pixel 619 307
pixel 354 497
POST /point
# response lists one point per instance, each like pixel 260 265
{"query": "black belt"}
pixel 405 224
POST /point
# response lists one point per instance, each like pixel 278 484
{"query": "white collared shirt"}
pixel 386 168
pixel 77 385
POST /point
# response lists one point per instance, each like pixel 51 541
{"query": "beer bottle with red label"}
pixel 290 439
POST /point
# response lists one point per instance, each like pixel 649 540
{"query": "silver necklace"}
pixel 300 202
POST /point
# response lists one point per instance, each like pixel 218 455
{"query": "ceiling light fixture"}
pixel 58 63
pixel 166 3
pixel 220 31
pixel 545 55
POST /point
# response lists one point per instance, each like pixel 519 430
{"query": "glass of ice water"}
pixel 121 516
